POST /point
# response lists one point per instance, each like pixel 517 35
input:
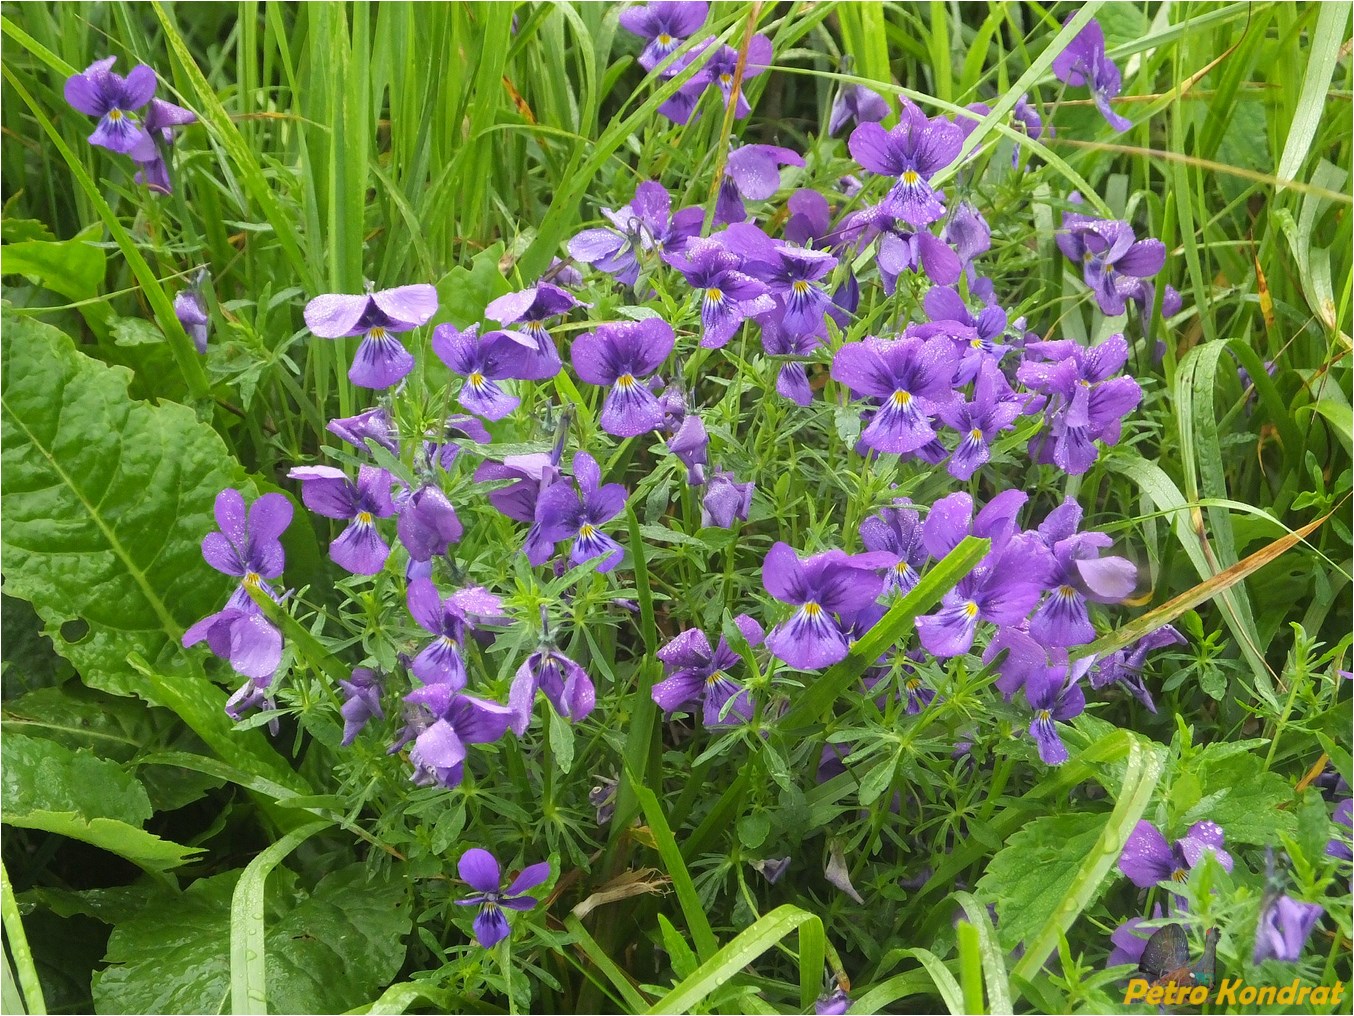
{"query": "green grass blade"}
pixel 745 947
pixel 692 909
pixel 994 964
pixel 24 971
pixel 950 991
pixel 1327 40
pixel 634 1001
pixel 248 958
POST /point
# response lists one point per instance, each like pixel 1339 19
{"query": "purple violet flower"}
pixel 483 361
pixel 663 26
pixel 532 476
pixel 967 232
pixel 564 513
pixel 113 99
pixel 792 274
pixel 245 639
pixel 1114 262
pixel 1087 402
pixel 975 336
pixel 752 172
pixel 440 661
pixel 1129 942
pixel 445 723
pixel 328 492
pixel 373 424
pixel 810 219
pixel 248 545
pixel 381 360
pixel 622 354
pixel 691 445
pixel 822 585
pixel 479 869
pixel 728 295
pixel 725 500
pixel 537 357
pixel 911 378
pixel 1343 815
pixel 1025 117
pixel 191 310
pixel 1148 859
pixel 897 531
pixel 563 682
pixel 1079 573
pixel 1003 590
pixel 858 103
pixel 695 676
pixel 720 71
pixel 1285 925
pixel 914 152
pixel 1124 666
pixel 427 525
pixel 159 123
pixel 646 223
pixel 1054 693
pixel 835 1003
pixel 994 408
pixel 1084 62
pixel 361 701
pixel 902 250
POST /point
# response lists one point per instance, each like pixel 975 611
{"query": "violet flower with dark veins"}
pixel 427 527
pixel 647 223
pixel 1079 573
pixel 994 408
pixel 1124 666
pixel 483 361
pixel 752 172
pixel 1284 927
pixel 328 492
pixel 728 295
pixel 896 530
pixel 448 619
pixel 1054 693
pixel 98 91
pixel 1147 858
pixel 821 585
pixel 1114 262
pixel 537 358
pixel 664 25
pixel 479 869
pixel 564 513
pixel 372 424
pixel 361 701
pixel 532 475
pixel 858 103
pixel 563 682
pixel 911 377
pixel 381 360
pixel 1084 62
pixel 622 354
pixel 697 676
pixel 444 723
pixel 914 152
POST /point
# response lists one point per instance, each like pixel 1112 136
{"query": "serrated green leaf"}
pixel 1242 797
pixel 331 951
pixel 74 793
pixel 74 268
pixel 1030 875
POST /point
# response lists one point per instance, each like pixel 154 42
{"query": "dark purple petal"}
pixel 530 878
pixel 1147 857
pixel 479 869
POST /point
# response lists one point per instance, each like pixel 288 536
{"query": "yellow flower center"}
pixel 902 567
pixel 976 344
pixel 901 399
pixel 715 677
pixel 625 382
pixel 911 177
pixel 664 39
pixel 445 641
pixel 476 379
pixel 1179 875
pixel 364 518
pixel 115 114
pixel 713 295
pixel 970 609
pixel 1066 592
pixel 253 579
pixel 812 610
pixel 534 327
pixel 586 530
pixel 1045 715
pixel 976 434
pixel 726 80
pixel 377 333
pixel 913 684
pixel 801 288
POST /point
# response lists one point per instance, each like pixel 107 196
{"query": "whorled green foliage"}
pixel 328 950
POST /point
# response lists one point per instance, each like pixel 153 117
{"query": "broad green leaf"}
pixel 1030 875
pixel 74 268
pixel 1327 41
pixel 76 794
pixel 328 951
pixel 1241 796
pixel 105 503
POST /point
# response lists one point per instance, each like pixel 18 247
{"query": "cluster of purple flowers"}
pixel 145 137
